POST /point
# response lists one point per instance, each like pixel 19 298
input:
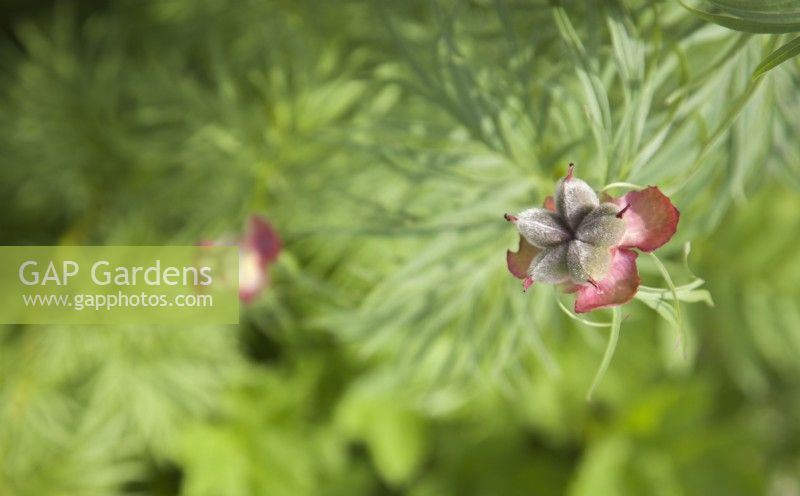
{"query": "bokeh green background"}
pixel 392 353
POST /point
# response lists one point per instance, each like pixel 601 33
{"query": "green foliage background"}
pixel 393 353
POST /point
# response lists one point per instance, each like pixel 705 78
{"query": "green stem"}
pixel 571 315
pixel 616 323
pixel 676 304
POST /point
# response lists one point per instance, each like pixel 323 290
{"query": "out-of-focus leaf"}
pixel 761 9
pixel 603 468
pixel 392 431
pixel 778 57
pixel 758 16
pixel 748 21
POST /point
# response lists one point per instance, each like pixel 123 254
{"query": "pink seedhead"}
pixel 585 245
pixel 259 247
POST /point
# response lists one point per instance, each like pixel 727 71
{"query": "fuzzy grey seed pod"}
pixel 550 266
pixel 586 262
pixel 601 227
pixel 574 200
pixel 542 228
